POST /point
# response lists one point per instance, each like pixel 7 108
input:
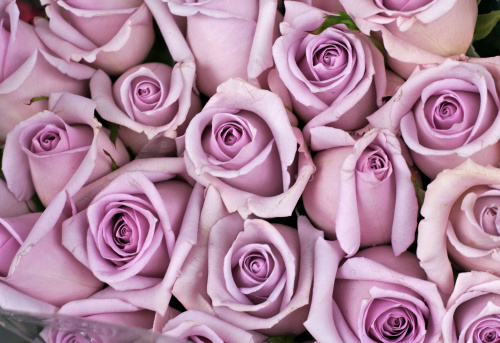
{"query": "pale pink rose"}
pixel 242 144
pixel 60 148
pixel 335 78
pixel 473 311
pixel 137 230
pixel 112 35
pixel 373 296
pixel 12 300
pixel 416 32
pixel 108 309
pixel 34 261
pixel 201 327
pixel 238 43
pixel 260 274
pixel 460 221
pixel 362 193
pixel 146 101
pixel 27 71
pixel 446 114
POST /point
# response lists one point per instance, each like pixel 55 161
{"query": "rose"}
pixel 34 262
pixel 417 32
pixel 108 310
pixel 362 193
pixel 335 78
pixel 473 311
pixel 325 5
pixel 240 33
pixel 372 297
pixel 446 113
pixel 259 274
pixel 459 220
pixel 202 327
pixel 242 144
pixel 137 230
pixel 146 101
pixel 63 148
pixel 10 206
pixel 12 300
pixel 24 64
pixel 112 36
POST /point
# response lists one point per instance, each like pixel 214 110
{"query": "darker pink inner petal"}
pixel 50 139
pixel 486 211
pixel 374 160
pixel 146 93
pixel 486 330
pixel 402 5
pixel 231 137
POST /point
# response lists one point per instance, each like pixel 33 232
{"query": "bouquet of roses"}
pixel 253 171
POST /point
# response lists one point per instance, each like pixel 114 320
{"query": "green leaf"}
pixel 38 98
pixel 113 132
pixel 471 52
pixel 418 190
pixel 281 339
pixel 485 23
pixel 331 20
pixel 478 1
pixel 114 166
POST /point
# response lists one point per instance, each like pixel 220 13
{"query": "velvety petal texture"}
pixel 362 193
pixel 417 32
pixel 199 326
pixel 335 78
pixel 464 227
pixel 136 232
pixel 374 297
pixel 260 275
pixel 248 27
pixel 113 36
pixel 242 143
pixel 446 114
pixel 60 148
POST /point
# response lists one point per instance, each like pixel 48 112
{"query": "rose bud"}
pixel 460 221
pixel 240 32
pixel 64 147
pixel 335 78
pixel 28 71
pixel 446 114
pixel 202 327
pixel 473 311
pixel 362 193
pixel 416 32
pixel 113 35
pixel 137 229
pixel 148 100
pixel 34 262
pixel 372 297
pixel 242 144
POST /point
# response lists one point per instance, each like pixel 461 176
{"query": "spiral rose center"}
pixel 486 209
pixel 49 138
pixel 486 330
pixel 402 5
pixel 148 92
pixel 374 160
pixel 330 55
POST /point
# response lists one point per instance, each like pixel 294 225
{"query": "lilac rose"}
pixel 112 35
pixel 335 78
pixel 372 297
pixel 243 145
pixel 362 193
pixel 446 114
pixel 64 147
pixel 133 229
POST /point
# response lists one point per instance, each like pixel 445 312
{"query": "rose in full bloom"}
pixel 107 309
pixel 260 274
pixel 362 193
pixel 28 71
pixel 473 311
pixel 202 327
pixel 416 32
pixel 113 35
pixel 137 229
pixel 64 147
pixel 372 297
pixel 242 144
pixel 238 43
pixel 446 114
pixel 34 261
pixel 460 221
pixel 335 78
pixel 148 100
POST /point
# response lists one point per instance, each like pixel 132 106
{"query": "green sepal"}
pixel 281 339
pixel 38 98
pixel 331 20
pixel 418 190
pixel 113 132
pixel 114 166
pixel 485 23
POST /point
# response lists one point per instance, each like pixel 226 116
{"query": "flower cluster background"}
pixel 253 170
